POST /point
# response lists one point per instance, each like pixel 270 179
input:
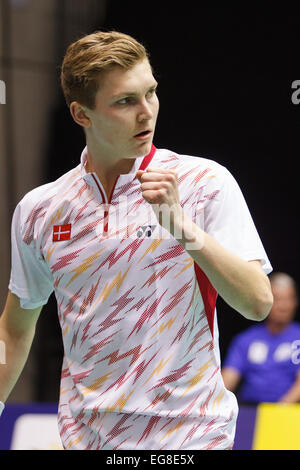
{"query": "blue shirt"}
pixel 267 362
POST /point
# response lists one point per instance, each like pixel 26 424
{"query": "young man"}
pixel 136 242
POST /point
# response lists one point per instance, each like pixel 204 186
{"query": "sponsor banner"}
pixel 268 426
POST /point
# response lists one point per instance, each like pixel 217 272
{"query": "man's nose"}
pixel 145 111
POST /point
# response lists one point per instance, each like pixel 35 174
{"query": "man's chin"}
pixel 143 149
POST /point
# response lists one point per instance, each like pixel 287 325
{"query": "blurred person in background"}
pixel 263 362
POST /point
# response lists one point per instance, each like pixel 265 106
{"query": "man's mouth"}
pixel 143 135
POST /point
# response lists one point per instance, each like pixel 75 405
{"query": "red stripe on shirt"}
pixel 209 296
pixel 147 159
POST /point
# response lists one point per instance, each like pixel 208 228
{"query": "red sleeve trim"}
pixel 209 296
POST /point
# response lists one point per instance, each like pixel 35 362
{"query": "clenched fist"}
pixel 160 188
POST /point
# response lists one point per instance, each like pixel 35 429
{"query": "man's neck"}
pixel 276 328
pixel 107 169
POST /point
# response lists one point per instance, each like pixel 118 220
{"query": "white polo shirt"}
pixel 137 314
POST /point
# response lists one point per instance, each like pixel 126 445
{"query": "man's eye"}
pixel 125 101
pixel 151 92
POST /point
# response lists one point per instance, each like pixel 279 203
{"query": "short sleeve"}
pixel 31 278
pixel 237 355
pixel 227 219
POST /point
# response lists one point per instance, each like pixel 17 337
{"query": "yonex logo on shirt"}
pixel 61 232
pixel 145 230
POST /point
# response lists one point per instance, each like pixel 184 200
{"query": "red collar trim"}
pixel 147 159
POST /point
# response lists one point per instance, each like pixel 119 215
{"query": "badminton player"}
pixel 136 242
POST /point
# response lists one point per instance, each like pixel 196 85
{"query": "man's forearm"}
pixel 293 394
pixel 16 353
pixel 243 285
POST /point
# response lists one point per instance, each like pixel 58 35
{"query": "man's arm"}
pixel 242 284
pixel 17 329
pixel 231 378
pixel 293 394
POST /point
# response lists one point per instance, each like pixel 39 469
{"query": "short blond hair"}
pixel 86 60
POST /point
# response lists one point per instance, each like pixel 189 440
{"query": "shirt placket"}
pixel 107 201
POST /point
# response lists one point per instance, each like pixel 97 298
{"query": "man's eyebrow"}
pixel 125 93
pixel 132 93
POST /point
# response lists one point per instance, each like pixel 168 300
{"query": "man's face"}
pixel 126 105
pixel 284 306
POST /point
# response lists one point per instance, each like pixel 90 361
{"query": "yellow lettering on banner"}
pixel 277 427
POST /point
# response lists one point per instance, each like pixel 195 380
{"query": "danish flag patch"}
pixel 61 232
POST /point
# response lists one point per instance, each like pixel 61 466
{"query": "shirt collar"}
pixel 140 163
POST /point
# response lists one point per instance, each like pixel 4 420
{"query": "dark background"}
pixel 225 85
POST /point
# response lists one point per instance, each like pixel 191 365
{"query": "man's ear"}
pixel 79 114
